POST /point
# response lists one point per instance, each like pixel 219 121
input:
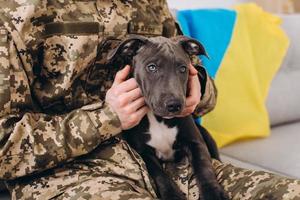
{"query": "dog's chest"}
pixel 162 138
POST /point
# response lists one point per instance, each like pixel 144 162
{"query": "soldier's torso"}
pixel 65 44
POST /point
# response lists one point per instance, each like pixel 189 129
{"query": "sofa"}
pixel 279 153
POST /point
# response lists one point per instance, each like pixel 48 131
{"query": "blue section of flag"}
pixel 198 120
pixel 213 28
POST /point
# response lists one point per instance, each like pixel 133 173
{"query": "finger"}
pixel 193 83
pixel 127 86
pixel 142 112
pixel 136 105
pixel 130 96
pixel 121 75
pixel 183 114
pixel 191 101
pixel 134 94
pixel 194 86
pixel 190 83
pixel 193 71
pixel 187 111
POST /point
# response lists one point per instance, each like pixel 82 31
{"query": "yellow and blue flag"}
pixel 246 48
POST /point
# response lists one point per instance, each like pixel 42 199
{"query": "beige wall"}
pixel 280 6
pixel 193 4
pixel 277 6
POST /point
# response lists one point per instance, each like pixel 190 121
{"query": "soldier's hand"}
pixel 125 98
pixel 194 93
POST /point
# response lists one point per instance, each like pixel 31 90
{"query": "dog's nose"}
pixel 173 106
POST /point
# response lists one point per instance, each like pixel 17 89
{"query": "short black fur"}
pixel 192 140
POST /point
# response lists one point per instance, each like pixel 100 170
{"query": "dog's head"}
pixel 161 68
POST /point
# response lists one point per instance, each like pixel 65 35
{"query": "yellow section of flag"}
pixel 255 53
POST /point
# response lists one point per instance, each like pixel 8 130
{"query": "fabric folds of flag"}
pixel 246 48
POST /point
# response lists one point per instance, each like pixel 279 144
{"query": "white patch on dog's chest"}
pixel 162 138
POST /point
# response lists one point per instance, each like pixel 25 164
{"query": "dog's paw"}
pixel 215 193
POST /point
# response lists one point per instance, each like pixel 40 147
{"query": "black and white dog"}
pixel 160 66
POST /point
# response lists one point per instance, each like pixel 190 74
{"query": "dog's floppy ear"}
pixel 128 47
pixel 191 46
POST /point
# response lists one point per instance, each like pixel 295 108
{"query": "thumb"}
pixel 122 75
pixel 193 70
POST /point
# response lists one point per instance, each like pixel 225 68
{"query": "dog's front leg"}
pixel 205 175
pixel 167 188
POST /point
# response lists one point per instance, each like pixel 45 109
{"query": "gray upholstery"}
pixel 284 97
pixel 283 102
pixel 279 153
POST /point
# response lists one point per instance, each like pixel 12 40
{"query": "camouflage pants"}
pixel 115 172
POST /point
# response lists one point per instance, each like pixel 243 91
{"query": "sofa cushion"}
pixel 245 165
pixel 284 97
pixel 278 153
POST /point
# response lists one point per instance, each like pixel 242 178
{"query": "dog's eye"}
pixel 152 68
pixel 182 69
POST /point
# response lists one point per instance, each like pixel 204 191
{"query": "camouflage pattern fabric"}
pixel 242 184
pixel 54 76
pixel 58 138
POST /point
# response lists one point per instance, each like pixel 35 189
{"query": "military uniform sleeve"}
pixel 208 90
pixel 31 141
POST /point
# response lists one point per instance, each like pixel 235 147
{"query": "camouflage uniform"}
pixel 58 138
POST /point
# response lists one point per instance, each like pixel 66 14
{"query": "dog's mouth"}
pixel 165 116
pixel 163 113
pixel 165 110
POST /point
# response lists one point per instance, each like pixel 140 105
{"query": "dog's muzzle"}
pixel 173 106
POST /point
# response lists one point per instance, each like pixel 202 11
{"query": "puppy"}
pixel 161 68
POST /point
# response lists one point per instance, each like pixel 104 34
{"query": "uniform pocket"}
pixel 69 48
pixel 67 52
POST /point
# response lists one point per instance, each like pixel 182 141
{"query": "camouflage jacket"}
pixel 53 76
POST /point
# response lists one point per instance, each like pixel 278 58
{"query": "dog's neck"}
pixel 163 136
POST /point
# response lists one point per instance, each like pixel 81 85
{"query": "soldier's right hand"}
pixel 125 98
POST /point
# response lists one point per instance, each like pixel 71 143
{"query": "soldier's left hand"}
pixel 194 92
